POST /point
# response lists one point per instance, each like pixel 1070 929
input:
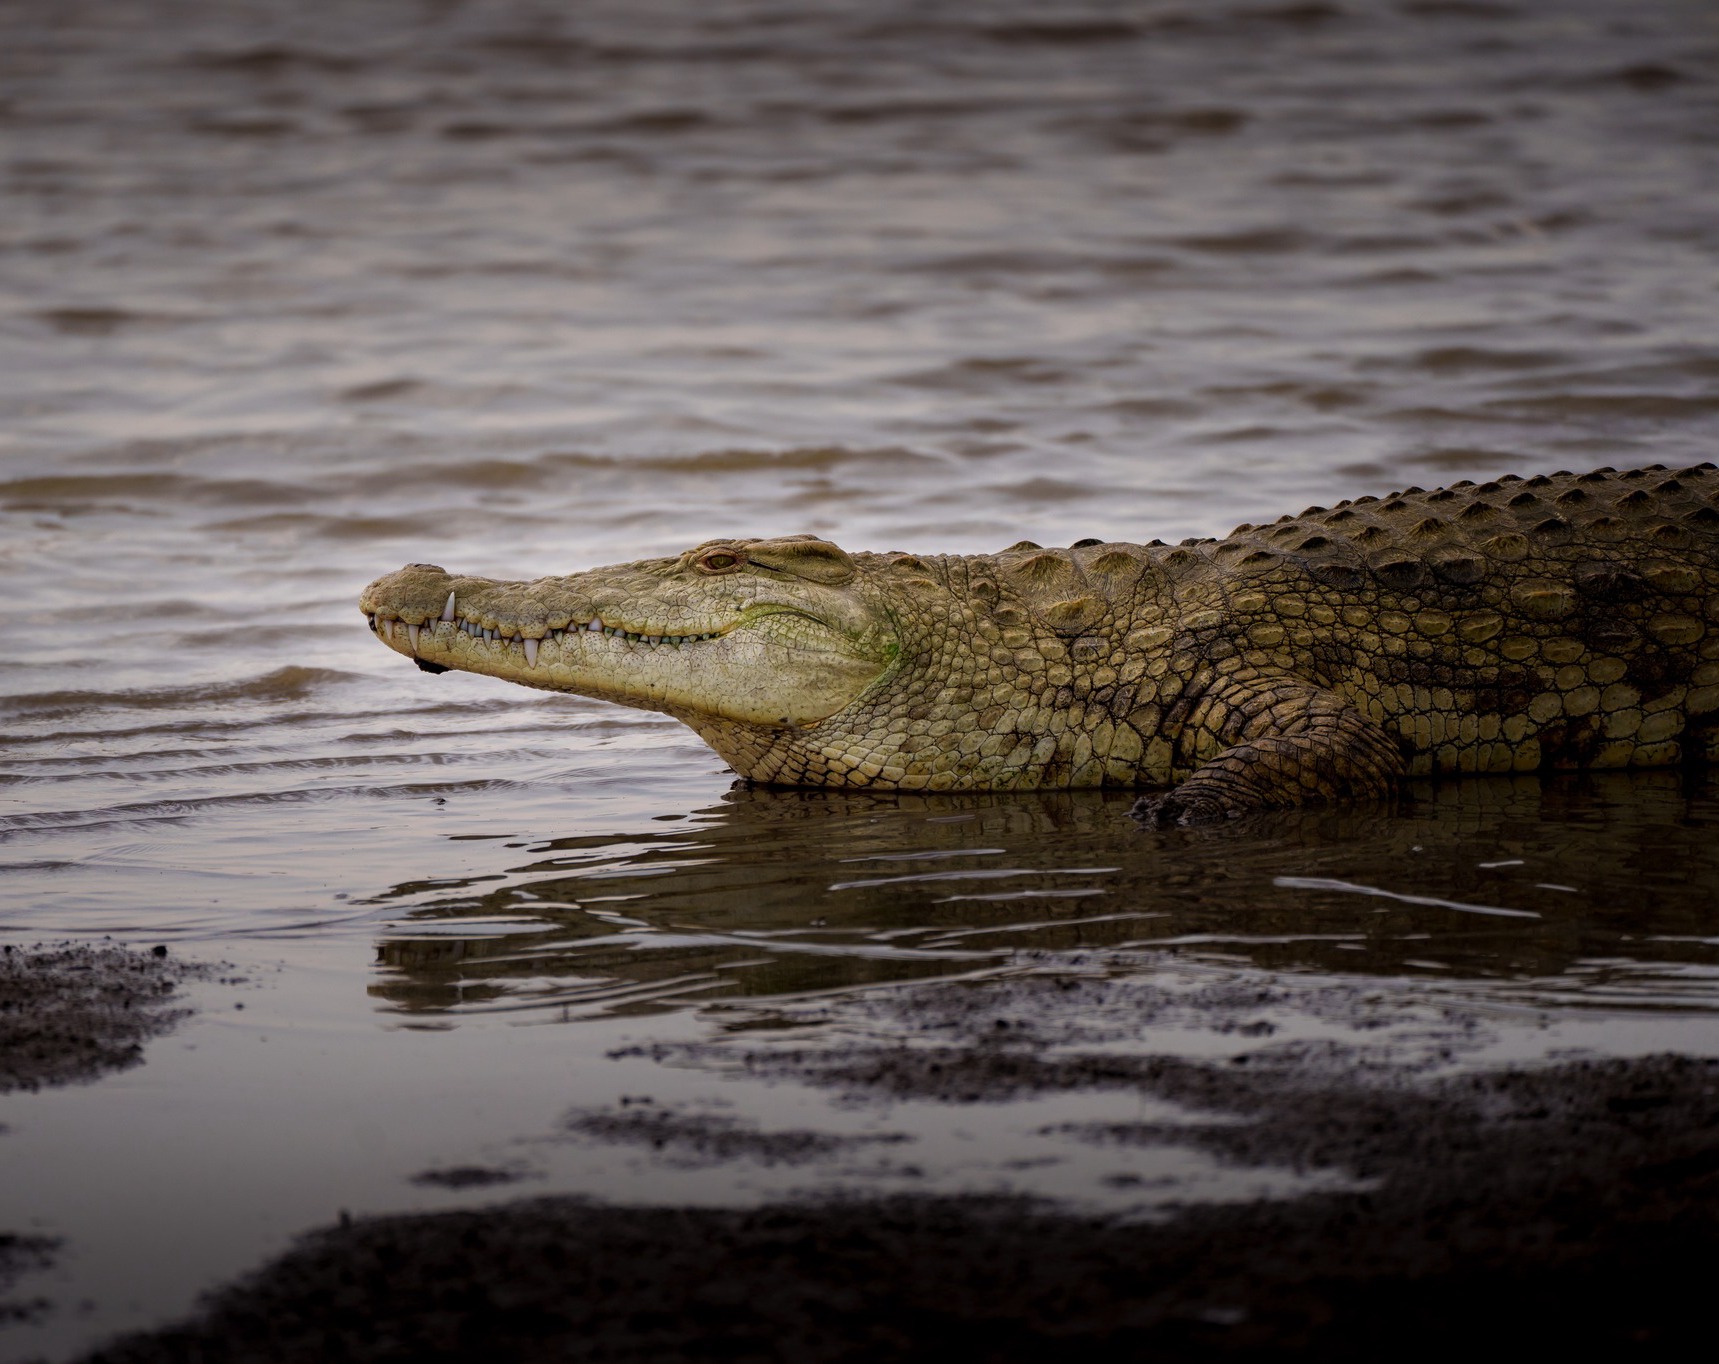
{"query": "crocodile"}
pixel 1519 624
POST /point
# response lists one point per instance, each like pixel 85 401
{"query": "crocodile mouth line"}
pixel 388 629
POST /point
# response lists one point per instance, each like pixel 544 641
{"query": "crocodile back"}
pixel 1565 620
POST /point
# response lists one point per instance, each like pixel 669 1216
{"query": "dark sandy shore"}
pixel 71 1013
pixel 1534 1208
pixel 1540 1208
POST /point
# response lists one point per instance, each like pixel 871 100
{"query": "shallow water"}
pixel 288 299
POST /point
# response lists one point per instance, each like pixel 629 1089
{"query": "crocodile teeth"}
pixel 389 630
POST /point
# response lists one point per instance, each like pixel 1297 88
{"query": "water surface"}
pixel 290 297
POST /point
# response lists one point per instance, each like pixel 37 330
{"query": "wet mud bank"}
pixel 1557 1204
pixel 71 1013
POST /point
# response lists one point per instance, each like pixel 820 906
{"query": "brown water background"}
pixel 291 295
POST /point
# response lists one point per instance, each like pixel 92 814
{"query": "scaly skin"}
pixel 1554 622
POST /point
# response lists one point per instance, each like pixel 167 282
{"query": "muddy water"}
pixel 288 298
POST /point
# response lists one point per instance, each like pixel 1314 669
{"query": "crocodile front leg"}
pixel 1287 743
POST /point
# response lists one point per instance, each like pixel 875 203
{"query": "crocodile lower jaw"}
pixel 388 628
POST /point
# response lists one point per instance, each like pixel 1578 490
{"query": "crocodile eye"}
pixel 720 561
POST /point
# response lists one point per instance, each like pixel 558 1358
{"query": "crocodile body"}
pixel 1560 621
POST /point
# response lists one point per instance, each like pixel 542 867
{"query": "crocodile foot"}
pixel 1172 809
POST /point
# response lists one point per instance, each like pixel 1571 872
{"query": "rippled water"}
pixel 290 296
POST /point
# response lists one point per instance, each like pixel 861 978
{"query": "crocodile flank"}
pixel 1523 624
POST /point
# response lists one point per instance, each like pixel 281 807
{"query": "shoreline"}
pixel 1560 1206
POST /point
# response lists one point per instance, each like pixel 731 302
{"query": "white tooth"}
pixel 448 610
pixel 653 639
pixel 412 633
pixel 489 636
pixel 531 653
pixel 595 625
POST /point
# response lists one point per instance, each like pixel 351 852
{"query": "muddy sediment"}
pixel 1552 1206
pixel 702 1139
pixel 72 1012
pixel 20 1255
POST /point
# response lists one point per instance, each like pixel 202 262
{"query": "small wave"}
pixel 1639 406
pixel 95 320
pixel 1062 32
pixel 543 46
pixel 889 110
pixel 1257 241
pixel 1468 459
pixel 983 374
pixel 381 390
pixel 1494 414
pixel 205 726
pixel 1043 489
pixel 1461 9
pixel 1395 278
pixel 1432 901
pixel 338 527
pixel 80 491
pixel 656 121
pixel 1157 130
pixel 1156 408
pixel 478 130
pixel 1647 77
pixel 144 812
pixel 245 127
pixel 984 874
pixel 739 459
pixel 1465 359
pixel 1024 263
pixel 291 683
pixel 270 58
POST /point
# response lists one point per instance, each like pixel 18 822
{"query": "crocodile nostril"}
pixel 434 568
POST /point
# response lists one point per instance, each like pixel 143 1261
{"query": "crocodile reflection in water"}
pixel 788 891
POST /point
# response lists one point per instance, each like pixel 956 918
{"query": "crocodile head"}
pixel 731 636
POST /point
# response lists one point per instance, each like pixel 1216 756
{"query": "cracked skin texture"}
pixel 1560 621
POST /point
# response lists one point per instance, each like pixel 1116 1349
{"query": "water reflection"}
pixel 1602 887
